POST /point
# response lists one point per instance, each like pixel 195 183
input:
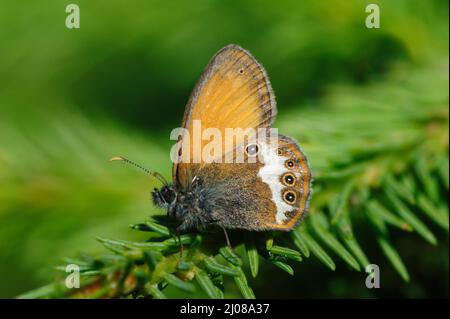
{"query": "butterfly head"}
pixel 165 197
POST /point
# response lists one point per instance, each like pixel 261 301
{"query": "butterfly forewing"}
pixel 233 92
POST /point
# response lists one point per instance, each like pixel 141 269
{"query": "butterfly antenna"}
pixel 154 174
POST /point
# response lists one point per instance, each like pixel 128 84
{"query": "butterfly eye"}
pixel 241 71
pixel 289 197
pixel 289 163
pixel 252 149
pixel 288 179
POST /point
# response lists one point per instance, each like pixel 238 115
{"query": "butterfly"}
pixel 271 193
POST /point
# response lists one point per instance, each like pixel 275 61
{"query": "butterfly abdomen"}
pixel 164 197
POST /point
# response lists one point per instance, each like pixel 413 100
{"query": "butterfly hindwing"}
pixel 289 179
pixel 286 183
pixel 270 194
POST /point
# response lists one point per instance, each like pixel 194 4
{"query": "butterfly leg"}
pixel 227 238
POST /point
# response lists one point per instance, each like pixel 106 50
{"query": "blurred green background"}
pixel 71 99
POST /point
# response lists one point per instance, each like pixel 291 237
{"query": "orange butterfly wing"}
pixel 233 92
